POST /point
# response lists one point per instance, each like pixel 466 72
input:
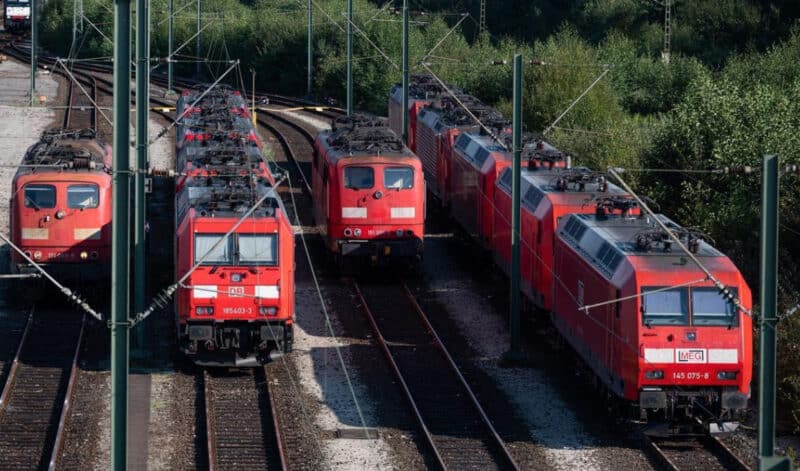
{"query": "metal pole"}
pixel 514 351
pixel 405 71
pixel 142 107
pixel 253 99
pixel 197 44
pixel 120 230
pixel 768 323
pixel 170 44
pixel 74 21
pixel 33 52
pixel 349 57
pixel 310 45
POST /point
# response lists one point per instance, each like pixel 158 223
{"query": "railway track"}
pixel 235 439
pixel 81 111
pixel 700 451
pixel 452 421
pixel 36 396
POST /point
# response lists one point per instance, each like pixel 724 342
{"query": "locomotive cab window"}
pixel 667 307
pixel 40 196
pixel 359 178
pixel 398 178
pixel 204 249
pixel 83 196
pixel 259 249
pixel 710 308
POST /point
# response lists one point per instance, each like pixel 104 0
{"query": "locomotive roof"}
pixel 420 87
pixel 583 183
pixel 607 240
pixel 362 135
pixel 228 196
pixel 218 94
pixel 69 149
pixel 477 147
pixel 222 152
pixel 448 111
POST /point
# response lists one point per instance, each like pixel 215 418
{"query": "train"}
pixel 60 207
pixel 662 340
pixel 369 193
pixel 16 14
pixel 234 244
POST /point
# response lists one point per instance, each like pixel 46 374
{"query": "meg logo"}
pixel 690 355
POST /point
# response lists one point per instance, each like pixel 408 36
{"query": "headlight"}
pixel 728 375
pixel 204 310
pixel 399 232
pixel 357 232
pixel 84 255
pixel 348 232
pixel 654 374
pixel 268 311
pixel 37 255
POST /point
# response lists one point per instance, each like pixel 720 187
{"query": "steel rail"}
pixel 657 453
pixel 276 422
pixel 12 372
pixel 709 443
pixel 288 150
pixel 211 446
pixel 382 342
pixel 67 405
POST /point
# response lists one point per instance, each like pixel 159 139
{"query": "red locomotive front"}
pixel 61 207
pixel 663 338
pixel 237 303
pixel 369 192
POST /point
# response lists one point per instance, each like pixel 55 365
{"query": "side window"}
pixel 83 196
pixel 398 178
pixel 40 196
pixel 359 178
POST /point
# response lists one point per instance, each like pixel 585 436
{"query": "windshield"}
pixel 40 196
pixel 667 307
pixel 258 249
pixel 710 308
pixel 398 178
pixel 359 178
pixel 204 249
pixel 83 196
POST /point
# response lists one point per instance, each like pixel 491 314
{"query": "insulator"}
pixel 738 170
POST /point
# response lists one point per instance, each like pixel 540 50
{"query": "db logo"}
pixel 691 355
pixel 236 291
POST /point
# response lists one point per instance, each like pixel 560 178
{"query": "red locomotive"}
pixel 422 91
pixel 550 190
pixel 61 206
pixel 438 126
pixel 667 353
pixel 673 340
pixel 369 192
pixel 234 239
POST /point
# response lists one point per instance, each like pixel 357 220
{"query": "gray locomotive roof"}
pixel 606 241
pixel 536 184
